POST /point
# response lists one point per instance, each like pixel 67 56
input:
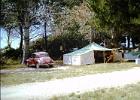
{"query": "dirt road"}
pixel 44 90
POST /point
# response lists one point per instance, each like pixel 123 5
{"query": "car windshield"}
pixel 33 55
pixel 43 55
pixel 40 54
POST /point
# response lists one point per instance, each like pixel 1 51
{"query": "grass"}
pixel 129 92
pixel 72 71
pixel 11 64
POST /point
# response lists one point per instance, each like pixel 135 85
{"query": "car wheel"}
pixel 50 66
pixel 27 65
pixel 37 65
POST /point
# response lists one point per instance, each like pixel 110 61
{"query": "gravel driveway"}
pixel 44 90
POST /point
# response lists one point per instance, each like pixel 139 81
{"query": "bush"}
pixel 2 61
pixel 11 53
pixel 12 62
pixel 5 61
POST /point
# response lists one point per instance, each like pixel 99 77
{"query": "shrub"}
pixel 11 53
pixel 2 61
pixel 12 62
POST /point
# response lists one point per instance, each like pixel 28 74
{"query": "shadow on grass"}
pixel 11 66
pixel 42 66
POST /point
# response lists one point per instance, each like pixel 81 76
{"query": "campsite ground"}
pixel 128 92
pixel 28 75
pixel 75 86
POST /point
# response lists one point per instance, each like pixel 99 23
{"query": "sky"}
pixel 3 40
pixel 15 41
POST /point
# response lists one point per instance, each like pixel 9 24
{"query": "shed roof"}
pixel 91 47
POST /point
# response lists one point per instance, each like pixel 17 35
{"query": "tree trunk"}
pixel 115 35
pixel 26 37
pixel 21 40
pixel 93 32
pixel 20 19
pixel 8 37
pixel 26 44
pixel 45 31
pixel 133 42
pixel 128 40
pixel 113 40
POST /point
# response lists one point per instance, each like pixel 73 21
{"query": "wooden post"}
pixel 104 55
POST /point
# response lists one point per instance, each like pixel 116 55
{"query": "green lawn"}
pixel 36 76
pixel 129 92
pixel 12 66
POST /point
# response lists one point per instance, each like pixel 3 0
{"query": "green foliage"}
pixel 58 45
pixel 37 45
pixel 54 44
pixel 71 3
pixel 2 60
pixel 119 17
pixel 11 62
pixel 115 12
pixel 9 56
pixel 65 3
pixel 71 38
pixel 11 53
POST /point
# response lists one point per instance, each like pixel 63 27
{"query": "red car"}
pixel 40 59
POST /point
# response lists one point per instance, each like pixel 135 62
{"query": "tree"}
pixel 51 13
pixel 29 8
pixel 24 12
pixel 116 16
pixel 27 13
pixel 72 38
pixel 8 22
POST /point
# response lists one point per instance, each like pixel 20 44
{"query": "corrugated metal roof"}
pixel 91 47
